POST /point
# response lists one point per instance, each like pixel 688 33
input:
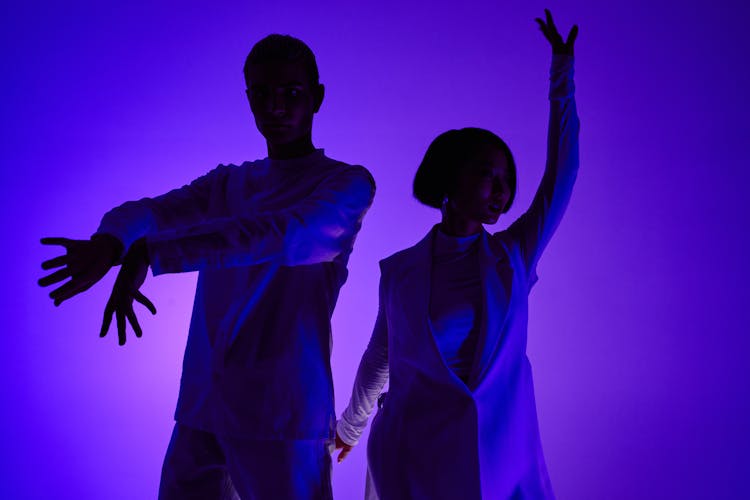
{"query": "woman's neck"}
pixel 454 224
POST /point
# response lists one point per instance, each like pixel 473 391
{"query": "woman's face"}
pixel 482 187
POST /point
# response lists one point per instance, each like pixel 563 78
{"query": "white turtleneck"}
pixel 455 299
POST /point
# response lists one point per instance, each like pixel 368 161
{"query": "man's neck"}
pixel 295 149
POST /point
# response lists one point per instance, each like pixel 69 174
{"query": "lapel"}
pixel 416 287
pixel 414 292
pixel 496 283
pixel 497 290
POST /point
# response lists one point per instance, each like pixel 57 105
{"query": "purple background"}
pixel 639 323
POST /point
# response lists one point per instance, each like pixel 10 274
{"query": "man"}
pixel 271 240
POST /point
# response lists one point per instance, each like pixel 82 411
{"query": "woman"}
pixel 459 421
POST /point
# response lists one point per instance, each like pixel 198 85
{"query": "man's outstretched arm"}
pixel 317 229
pixel 86 261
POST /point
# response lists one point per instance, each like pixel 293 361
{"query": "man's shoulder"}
pixel 337 167
pixel 227 167
pixel 245 164
pixel 251 167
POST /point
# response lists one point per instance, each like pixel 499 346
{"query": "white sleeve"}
pixel 185 206
pixel 534 228
pixel 372 375
pixel 317 229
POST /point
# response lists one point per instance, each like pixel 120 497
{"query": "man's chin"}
pixel 278 137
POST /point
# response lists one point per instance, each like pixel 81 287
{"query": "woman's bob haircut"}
pixel 437 175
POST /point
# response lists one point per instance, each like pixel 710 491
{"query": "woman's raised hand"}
pixel 555 39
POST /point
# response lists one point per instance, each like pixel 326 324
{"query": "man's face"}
pixel 283 100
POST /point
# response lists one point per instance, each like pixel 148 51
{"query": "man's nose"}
pixel 278 106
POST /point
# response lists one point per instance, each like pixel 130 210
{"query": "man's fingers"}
pixel 55 277
pixel 56 241
pixel 130 314
pixel 120 326
pixel 56 262
pixel 108 312
pixel 68 290
pixel 138 296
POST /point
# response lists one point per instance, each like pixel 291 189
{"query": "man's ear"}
pixel 318 95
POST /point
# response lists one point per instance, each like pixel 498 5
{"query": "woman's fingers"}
pixel 553 35
pixel 550 22
pixel 344 452
pixel 559 46
pixel 543 27
pixel 572 36
pixel 345 448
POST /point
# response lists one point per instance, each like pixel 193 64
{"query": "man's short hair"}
pixel 437 175
pixel 283 48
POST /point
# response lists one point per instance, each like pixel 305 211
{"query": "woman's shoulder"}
pixel 396 260
pixel 406 257
pixel 505 239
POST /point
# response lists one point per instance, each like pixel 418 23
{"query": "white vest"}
pixel 480 441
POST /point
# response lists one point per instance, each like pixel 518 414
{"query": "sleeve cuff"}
pixel 561 77
pixel 122 247
pixel 346 433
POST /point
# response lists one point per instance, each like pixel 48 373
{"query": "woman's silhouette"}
pixel 459 420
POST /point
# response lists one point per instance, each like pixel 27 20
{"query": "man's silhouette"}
pixel 271 240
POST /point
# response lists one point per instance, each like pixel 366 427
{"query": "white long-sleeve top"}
pixel 372 374
pixel 456 300
pixel 271 240
pixel 455 303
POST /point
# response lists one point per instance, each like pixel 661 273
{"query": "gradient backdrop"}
pixel 639 331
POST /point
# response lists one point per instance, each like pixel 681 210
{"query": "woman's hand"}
pixel 130 278
pixel 550 33
pixel 345 448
